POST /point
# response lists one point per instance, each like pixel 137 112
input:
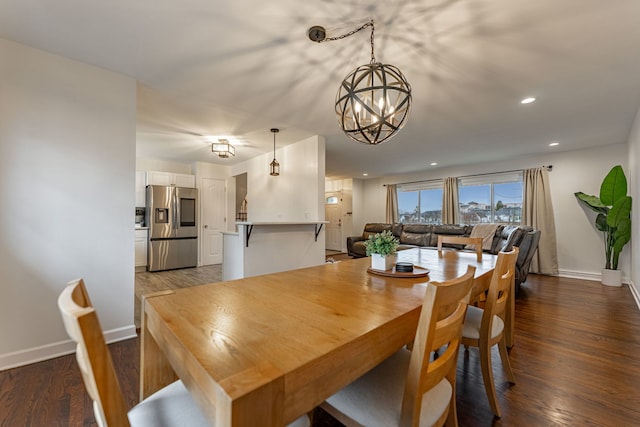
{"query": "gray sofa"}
pixel 426 235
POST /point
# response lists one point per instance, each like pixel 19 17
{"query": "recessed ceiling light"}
pixel 554 143
pixel 365 174
pixel 434 163
pixel 528 100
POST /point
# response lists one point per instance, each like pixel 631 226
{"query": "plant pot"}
pixel 382 262
pixel 611 277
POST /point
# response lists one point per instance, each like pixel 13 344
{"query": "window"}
pixel 420 203
pixel 493 198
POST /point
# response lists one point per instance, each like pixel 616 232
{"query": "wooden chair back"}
pixel 461 240
pixel 498 294
pixel 94 359
pixel 440 324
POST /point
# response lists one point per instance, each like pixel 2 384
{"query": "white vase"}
pixel 382 262
pixel 611 277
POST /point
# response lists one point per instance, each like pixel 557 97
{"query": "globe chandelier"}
pixel 373 101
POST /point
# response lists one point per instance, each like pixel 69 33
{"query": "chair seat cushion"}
pixel 173 406
pixel 375 399
pixel 473 320
pixel 169 406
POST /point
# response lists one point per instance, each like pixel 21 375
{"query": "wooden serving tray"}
pixel 417 272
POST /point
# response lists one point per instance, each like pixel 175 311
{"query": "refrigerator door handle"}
pixel 174 206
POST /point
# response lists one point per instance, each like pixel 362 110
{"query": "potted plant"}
pixel 382 248
pixel 613 207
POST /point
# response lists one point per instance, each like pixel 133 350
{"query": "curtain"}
pixel 392 204
pixel 537 211
pixel 450 213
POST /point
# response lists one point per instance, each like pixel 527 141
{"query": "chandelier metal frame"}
pixel 374 100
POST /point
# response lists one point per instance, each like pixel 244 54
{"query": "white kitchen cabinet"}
pixel 141 184
pixel 168 178
pixel 184 180
pixel 159 178
pixel 142 236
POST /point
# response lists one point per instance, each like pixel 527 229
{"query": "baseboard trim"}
pixel 57 349
pixel 580 275
pixel 586 276
pixel 635 293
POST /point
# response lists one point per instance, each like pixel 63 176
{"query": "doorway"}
pixel 212 196
pixel 333 214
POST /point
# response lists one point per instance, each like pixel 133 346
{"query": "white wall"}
pixel 297 194
pixel 634 190
pixel 580 246
pixel 67 163
pixel 360 213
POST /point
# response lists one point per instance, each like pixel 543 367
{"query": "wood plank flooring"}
pixel 576 359
pixel 147 282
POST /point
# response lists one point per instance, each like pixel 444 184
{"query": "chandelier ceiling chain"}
pixel 352 32
pixel 374 100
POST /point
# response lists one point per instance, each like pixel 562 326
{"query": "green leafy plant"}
pixel 613 207
pixel 384 243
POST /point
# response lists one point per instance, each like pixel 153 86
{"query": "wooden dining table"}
pixel 264 350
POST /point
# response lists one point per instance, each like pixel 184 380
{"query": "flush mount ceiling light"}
pixel 528 100
pixel 274 166
pixel 374 100
pixel 223 149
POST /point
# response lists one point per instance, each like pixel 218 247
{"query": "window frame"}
pixel 491 180
pixel 419 187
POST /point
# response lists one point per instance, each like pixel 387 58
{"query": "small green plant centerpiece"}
pixel 382 249
pixel 613 207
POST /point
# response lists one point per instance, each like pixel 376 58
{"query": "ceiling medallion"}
pixel 373 101
pixel 223 149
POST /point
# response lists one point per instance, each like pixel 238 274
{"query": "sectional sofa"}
pixel 426 235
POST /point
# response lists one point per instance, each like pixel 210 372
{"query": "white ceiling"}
pixel 238 68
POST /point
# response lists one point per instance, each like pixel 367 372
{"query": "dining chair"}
pixel 411 388
pixel 484 327
pixel 461 240
pixel 170 406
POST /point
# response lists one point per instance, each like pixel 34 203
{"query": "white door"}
pixel 212 224
pixel 333 214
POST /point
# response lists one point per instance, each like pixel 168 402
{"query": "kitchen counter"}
pixel 263 247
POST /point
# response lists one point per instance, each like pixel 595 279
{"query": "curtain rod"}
pixel 547 167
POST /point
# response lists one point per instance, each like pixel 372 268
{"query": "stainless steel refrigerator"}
pixel 173 230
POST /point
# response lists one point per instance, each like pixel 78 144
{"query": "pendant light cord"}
pixel 274 131
pixel 350 33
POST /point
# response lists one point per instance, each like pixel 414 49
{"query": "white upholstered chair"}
pixel 170 406
pixel 410 388
pixel 484 327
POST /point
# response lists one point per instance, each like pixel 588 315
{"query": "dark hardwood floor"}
pixel 576 359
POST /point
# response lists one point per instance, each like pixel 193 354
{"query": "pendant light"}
pixel 373 101
pixel 274 166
